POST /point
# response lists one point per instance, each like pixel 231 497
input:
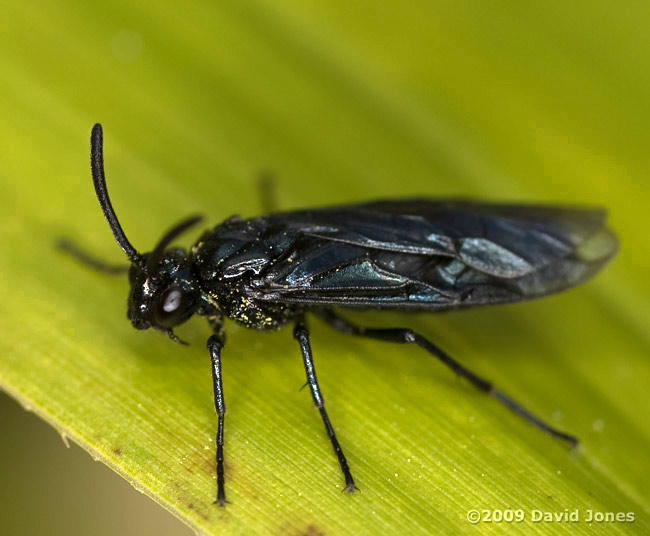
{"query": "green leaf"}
pixel 342 101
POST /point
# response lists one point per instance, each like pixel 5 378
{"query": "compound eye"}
pixel 170 307
pixel 172 300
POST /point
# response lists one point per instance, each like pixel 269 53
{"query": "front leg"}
pixel 301 333
pixel 215 344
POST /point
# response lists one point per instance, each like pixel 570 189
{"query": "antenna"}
pixel 99 180
pixel 157 254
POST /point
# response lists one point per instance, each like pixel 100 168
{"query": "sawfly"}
pixel 421 254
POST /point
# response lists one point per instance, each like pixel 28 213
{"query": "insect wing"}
pixel 426 254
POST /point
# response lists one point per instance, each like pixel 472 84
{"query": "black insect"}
pixel 410 255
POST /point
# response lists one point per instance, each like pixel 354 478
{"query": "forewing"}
pixel 434 254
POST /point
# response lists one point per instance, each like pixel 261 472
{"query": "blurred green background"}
pixel 536 101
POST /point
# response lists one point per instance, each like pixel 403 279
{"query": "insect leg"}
pixel 267 191
pixel 301 333
pixel 215 344
pixel 93 262
pixel 407 336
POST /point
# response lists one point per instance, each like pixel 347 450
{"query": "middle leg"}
pixel 301 333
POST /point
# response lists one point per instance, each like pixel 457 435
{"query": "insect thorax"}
pixel 229 259
pixel 253 314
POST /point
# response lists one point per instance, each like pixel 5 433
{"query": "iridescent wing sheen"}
pixel 433 254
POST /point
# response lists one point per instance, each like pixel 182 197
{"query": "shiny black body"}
pixel 412 255
pixel 418 254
